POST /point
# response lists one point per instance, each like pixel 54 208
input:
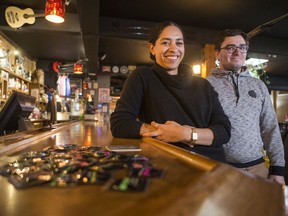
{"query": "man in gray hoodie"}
pixel 247 103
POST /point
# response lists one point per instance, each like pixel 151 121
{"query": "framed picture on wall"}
pixel 104 95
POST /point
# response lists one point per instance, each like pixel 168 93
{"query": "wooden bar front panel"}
pixel 187 188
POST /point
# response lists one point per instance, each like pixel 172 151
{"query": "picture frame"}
pixel 104 95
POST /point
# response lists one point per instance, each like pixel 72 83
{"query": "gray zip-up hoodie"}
pixel 247 103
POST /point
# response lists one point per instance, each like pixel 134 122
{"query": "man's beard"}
pixel 234 68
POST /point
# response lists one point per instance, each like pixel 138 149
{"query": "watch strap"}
pixel 194 137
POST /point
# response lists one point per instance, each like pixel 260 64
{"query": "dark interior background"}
pixel 118 30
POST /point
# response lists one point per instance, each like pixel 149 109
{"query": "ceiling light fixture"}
pixel 55 11
pixel 78 68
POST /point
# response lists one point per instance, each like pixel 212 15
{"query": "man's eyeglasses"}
pixel 243 48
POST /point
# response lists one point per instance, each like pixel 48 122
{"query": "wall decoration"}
pixel 104 95
pixel 124 69
pixel 131 68
pixel 115 69
pixel 106 68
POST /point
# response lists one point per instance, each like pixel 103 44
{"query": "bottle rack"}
pixel 15 69
pixel 15 82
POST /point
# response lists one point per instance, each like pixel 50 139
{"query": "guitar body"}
pixel 16 17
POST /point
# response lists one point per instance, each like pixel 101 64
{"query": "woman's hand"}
pixel 169 132
pixel 146 129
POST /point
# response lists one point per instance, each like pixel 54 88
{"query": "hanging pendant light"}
pixel 78 68
pixel 55 11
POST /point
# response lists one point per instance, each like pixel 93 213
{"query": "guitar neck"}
pixel 26 16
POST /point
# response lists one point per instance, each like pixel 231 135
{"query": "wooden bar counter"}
pixel 191 185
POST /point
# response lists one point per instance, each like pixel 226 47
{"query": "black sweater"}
pixel 151 94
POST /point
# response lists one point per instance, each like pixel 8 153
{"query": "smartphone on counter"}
pixel 123 148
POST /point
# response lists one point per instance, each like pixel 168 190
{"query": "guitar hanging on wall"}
pixel 16 17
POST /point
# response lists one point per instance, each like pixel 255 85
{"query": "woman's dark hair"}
pixel 220 37
pixel 157 30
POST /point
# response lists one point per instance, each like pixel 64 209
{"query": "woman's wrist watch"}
pixel 194 137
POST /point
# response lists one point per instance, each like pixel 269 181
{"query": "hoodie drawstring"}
pixel 235 85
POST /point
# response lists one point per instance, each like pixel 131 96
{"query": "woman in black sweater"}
pixel 166 102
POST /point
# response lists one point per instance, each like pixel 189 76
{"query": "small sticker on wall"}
pixel 95 85
pixel 115 69
pixel 106 68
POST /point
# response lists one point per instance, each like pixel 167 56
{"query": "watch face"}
pixel 124 69
pixel 115 69
pixel 195 136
